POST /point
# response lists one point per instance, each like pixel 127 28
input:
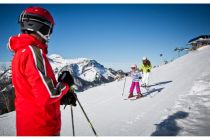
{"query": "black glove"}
pixel 140 77
pixel 69 99
pixel 126 74
pixel 148 70
pixel 66 77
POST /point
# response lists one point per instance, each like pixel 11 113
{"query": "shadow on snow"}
pixel 161 83
pixel 169 127
pixel 152 91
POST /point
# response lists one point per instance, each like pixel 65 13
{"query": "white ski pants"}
pixel 145 78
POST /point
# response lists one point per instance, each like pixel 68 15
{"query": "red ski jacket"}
pixel 37 101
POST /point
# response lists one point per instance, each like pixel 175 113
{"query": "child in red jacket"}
pixel 37 92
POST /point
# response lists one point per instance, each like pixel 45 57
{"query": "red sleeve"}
pixel 43 88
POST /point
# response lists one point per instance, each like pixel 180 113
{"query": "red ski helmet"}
pixel 37 19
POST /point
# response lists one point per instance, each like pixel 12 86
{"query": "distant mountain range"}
pixel 86 72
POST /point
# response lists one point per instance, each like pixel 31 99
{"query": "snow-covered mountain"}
pixel 5 74
pixel 86 72
pixel 6 90
pixel 5 77
pixel 2 68
pixel 5 71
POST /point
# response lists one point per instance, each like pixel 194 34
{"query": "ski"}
pixel 134 97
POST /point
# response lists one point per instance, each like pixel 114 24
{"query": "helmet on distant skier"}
pixel 134 66
pixel 144 58
pixel 38 20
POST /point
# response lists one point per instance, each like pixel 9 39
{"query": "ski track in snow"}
pixel 177 103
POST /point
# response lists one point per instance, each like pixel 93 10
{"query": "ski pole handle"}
pixel 57 86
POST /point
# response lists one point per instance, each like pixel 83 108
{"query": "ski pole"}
pixel 72 120
pixel 85 115
pixel 124 86
pixel 79 105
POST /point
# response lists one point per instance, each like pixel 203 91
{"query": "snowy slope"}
pixel 177 104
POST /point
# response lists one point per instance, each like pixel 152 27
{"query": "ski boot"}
pixel 139 95
pixel 130 95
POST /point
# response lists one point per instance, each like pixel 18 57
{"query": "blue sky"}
pixel 116 35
